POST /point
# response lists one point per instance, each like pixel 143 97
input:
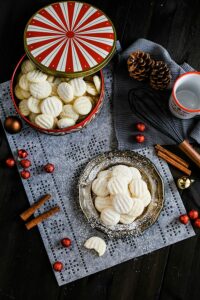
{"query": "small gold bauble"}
pixel 184 182
pixel 13 124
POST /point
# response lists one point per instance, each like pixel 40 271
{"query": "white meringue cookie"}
pixel 65 122
pixel 97 244
pixel 79 86
pixel 34 105
pixel 27 66
pixel 97 83
pixel 91 89
pixel 109 216
pixel 117 185
pixel 69 112
pixel 40 90
pixel 138 188
pixel 82 105
pixel 122 171
pixel 146 199
pixel 36 76
pixel 23 108
pixel 135 173
pixel 126 219
pixel 99 186
pixel 51 106
pixel 102 202
pixel 65 91
pixel 24 83
pixel 45 121
pixel 105 174
pixel 122 203
pixel 137 208
pixel 21 94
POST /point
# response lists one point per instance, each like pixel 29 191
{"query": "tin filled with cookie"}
pixel 58 86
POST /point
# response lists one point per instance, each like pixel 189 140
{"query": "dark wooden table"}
pixel 25 271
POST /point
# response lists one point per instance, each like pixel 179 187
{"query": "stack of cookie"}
pixel 120 195
pixel 53 102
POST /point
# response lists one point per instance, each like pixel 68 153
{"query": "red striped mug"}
pixel 184 102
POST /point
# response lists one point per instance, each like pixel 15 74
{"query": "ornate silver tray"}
pixel 149 174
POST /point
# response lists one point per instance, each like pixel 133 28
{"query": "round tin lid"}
pixel 70 39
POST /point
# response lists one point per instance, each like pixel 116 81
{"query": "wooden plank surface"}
pixel 169 273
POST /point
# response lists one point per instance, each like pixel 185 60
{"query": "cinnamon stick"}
pixel 174 163
pixel 42 217
pixel 193 154
pixel 30 211
pixel 172 155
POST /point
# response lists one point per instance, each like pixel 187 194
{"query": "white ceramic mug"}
pixel 184 101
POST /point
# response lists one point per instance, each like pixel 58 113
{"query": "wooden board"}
pixel 170 273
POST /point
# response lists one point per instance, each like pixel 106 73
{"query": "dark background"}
pixel 25 271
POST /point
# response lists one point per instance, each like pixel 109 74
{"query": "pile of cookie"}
pixel 53 102
pixel 121 195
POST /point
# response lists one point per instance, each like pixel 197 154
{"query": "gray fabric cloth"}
pixel 69 154
pixel 125 119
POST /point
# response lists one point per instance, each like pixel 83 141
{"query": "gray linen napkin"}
pixel 125 119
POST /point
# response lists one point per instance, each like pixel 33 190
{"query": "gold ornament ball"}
pixel 13 124
pixel 184 182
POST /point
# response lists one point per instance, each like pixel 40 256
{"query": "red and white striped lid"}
pixel 70 39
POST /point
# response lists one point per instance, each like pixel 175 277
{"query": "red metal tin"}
pixel 57 131
pixel 68 39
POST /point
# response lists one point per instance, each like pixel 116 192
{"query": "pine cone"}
pixel 139 65
pixel 160 76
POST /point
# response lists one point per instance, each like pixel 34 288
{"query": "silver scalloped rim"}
pixel 149 173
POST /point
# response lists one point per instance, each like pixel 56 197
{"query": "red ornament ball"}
pixel 25 163
pixel 49 168
pixel 22 153
pixel 140 126
pixel 197 223
pixel 25 174
pixel 10 162
pixel 193 214
pixel 57 266
pixel 184 219
pixel 66 242
pixel 140 138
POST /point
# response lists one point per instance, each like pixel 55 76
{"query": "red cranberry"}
pixel 10 162
pixel 25 163
pixel 22 153
pixel 66 242
pixel 193 214
pixel 25 174
pixel 184 219
pixel 49 168
pixel 140 138
pixel 197 223
pixel 140 126
pixel 57 266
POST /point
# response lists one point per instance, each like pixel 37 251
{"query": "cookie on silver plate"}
pixel 109 216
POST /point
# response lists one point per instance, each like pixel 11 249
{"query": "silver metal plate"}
pixel 149 174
